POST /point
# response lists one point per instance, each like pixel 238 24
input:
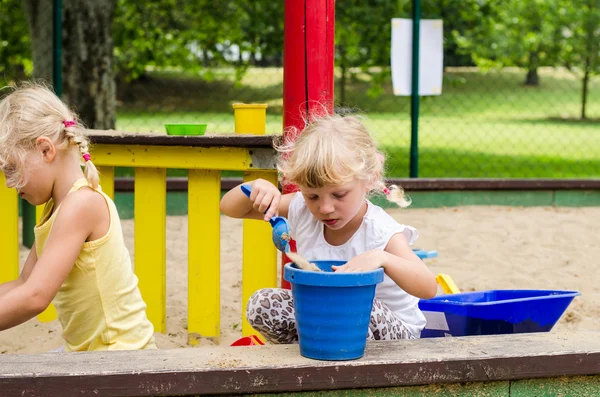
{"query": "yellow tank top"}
pixel 99 306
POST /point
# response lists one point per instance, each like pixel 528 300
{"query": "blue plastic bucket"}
pixel 333 310
pixel 494 312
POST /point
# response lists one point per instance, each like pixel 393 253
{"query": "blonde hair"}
pixel 333 150
pixel 30 111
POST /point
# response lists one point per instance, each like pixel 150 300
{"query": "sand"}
pixel 481 247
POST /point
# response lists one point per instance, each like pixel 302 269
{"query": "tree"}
pixel 581 54
pixel 193 35
pixel 15 53
pixel 363 36
pixel 87 50
pixel 456 16
pixel 149 34
pixel 261 31
pixel 523 33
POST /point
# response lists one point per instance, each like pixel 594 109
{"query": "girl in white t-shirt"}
pixel 336 165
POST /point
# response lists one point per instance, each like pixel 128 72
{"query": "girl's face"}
pixel 335 205
pixel 37 177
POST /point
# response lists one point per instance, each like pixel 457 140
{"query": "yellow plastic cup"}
pixel 250 118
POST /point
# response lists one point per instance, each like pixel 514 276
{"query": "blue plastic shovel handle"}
pixel 278 223
pixel 247 189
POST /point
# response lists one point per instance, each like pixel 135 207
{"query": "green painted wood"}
pixel 575 386
pixel 577 198
pixel 436 199
pixel 471 389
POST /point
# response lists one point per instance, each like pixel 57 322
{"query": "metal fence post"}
pixel 414 98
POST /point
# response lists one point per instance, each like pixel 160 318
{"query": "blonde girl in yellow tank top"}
pixel 79 259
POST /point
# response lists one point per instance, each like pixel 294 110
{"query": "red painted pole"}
pixel 308 62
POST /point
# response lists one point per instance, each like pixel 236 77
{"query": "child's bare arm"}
pixel 27 267
pixel 264 196
pixel 77 220
pixel 407 270
pixel 400 263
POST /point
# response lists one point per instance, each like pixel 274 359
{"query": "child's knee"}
pixel 268 303
pixel 257 304
pixel 255 298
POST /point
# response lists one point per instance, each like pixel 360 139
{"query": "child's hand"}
pixel 368 261
pixel 265 196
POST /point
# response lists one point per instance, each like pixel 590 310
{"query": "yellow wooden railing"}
pixel 204 158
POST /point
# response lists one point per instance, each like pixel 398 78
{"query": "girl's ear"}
pixel 46 148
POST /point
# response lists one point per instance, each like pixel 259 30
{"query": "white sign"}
pixel 431 56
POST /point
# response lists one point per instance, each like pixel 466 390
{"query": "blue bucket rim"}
pixel 553 294
pixel 331 279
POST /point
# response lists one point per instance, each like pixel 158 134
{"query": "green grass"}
pixel 483 125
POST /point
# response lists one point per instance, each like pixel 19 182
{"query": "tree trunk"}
pixel 591 50
pixel 586 79
pixel 88 65
pixel 87 48
pixel 205 60
pixel 343 85
pixel 39 20
pixel 532 78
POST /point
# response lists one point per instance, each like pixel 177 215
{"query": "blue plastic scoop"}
pixel 281 229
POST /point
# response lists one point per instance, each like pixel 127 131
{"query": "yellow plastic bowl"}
pixel 185 129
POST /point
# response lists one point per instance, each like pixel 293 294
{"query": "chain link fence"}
pixel 520 96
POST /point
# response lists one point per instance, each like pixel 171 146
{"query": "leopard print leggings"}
pixel 270 311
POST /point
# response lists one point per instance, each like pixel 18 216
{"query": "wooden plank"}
pixel 220 158
pixel 174 184
pixel 259 255
pixel 422 184
pixel 576 198
pixel 9 232
pixel 49 314
pixel 569 186
pixel 150 242
pixel 207 141
pixel 204 262
pixel 425 199
pixel 280 368
pixel 107 180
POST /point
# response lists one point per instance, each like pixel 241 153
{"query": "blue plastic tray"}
pixel 494 312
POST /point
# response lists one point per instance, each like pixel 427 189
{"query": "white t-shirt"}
pixel 375 232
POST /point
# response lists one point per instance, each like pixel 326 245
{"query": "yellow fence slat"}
pixel 107 180
pixel 9 232
pixel 50 313
pixel 213 158
pixel 47 315
pixel 259 263
pixel 150 241
pixel 204 297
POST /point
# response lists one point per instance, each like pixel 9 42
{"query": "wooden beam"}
pixel 423 184
pixel 155 139
pixel 280 368
pixel 175 184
